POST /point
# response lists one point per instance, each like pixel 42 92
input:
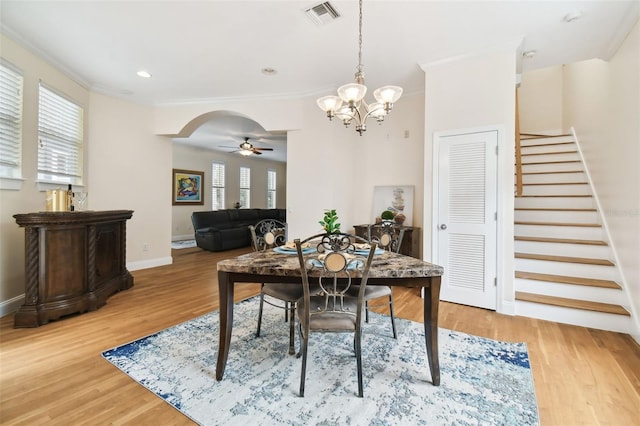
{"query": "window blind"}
pixel 245 187
pixel 60 138
pixel 271 189
pixel 217 185
pixel 11 83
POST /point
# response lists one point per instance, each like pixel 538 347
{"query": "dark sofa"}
pixel 229 229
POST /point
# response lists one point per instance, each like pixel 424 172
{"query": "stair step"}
pixel 572 303
pixel 547 153
pixel 546 144
pixel 561 240
pixel 567 259
pixel 552 162
pixel 588 225
pixel 555 195
pixel 567 280
pixel 555 209
pixel 555 183
pixel 552 172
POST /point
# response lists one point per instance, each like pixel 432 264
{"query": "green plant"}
pixel 330 222
pixel 387 215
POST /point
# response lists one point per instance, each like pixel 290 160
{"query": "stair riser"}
pixel 580 270
pixel 554 167
pixel 566 189
pixel 572 232
pixel 555 202
pixel 541 141
pixel 548 149
pixel 555 177
pixel 556 216
pixel 592 294
pixel 598 320
pixel 546 158
pixel 556 249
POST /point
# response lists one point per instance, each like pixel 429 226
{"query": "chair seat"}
pixel 286 292
pixel 372 291
pixel 329 321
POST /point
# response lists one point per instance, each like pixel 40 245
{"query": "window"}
pixel 217 186
pixel 10 121
pixel 271 189
pixel 245 187
pixel 60 139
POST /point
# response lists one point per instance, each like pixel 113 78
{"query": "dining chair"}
pixel 333 309
pixel 385 236
pixel 265 235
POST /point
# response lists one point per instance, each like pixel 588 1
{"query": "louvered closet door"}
pixel 466 221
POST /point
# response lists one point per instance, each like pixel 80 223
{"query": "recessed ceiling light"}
pixel 144 74
pixel 269 71
pixel 573 16
pixel 529 54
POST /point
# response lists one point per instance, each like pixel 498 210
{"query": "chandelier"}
pixel 350 106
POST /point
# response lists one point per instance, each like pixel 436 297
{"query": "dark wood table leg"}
pixel 225 290
pixel 431 305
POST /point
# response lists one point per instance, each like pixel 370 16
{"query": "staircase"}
pixel 564 266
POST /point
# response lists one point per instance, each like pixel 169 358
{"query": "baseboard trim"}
pixel 11 305
pixel 183 237
pixel 150 263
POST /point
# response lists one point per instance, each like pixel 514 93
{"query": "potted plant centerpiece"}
pixel 330 222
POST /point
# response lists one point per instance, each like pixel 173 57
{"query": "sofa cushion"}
pixel 209 218
pixel 250 216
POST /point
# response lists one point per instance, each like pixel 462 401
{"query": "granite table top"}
pixel 272 263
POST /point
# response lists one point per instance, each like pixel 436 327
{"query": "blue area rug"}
pixel 483 382
pixel 177 245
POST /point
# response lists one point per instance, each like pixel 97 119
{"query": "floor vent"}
pixel 322 13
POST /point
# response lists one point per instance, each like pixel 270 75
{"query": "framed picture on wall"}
pixel 187 187
pixel 397 199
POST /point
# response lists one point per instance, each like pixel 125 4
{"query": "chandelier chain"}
pixel 360 40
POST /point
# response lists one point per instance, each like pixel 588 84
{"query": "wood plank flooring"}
pixel 55 375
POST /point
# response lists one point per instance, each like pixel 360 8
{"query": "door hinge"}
pixel 495 216
pixel 496 149
pixel 495 282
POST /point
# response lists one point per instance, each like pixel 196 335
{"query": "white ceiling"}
pixel 215 50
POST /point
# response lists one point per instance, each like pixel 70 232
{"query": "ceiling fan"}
pixel 247 148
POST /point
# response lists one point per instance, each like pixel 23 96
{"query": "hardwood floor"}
pixel 55 374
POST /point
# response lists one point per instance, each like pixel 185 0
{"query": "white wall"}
pixel 29 198
pixel 602 103
pixel 453 102
pixel 189 158
pixel 328 166
pixel 541 101
pixel 130 168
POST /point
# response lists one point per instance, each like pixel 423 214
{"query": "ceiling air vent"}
pixel 322 13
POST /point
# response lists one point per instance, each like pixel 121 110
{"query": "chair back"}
pixel 387 235
pixel 335 260
pixel 268 233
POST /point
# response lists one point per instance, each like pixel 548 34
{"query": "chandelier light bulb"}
pixel 387 94
pixel 329 104
pixel 352 93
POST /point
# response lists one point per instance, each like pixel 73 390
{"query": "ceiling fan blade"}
pixel 264 149
pixel 256 152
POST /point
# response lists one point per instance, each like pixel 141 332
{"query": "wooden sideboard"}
pixel 73 262
pixel 410 242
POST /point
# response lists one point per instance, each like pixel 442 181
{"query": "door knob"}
pixel 443 226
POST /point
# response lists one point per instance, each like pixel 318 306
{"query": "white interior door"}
pixel 466 216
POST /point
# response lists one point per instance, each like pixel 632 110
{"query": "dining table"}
pixel 282 266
